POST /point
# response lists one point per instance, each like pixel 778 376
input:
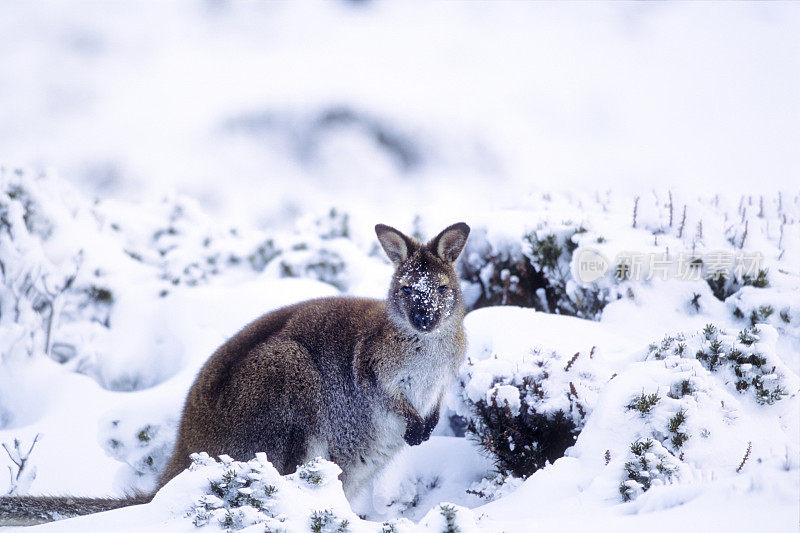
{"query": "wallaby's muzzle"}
pixel 422 320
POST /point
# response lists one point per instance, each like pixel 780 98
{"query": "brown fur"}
pixel 349 379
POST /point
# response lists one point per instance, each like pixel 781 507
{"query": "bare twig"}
pixel 746 456
pixel 571 361
pixel 744 235
pixel 635 210
pixel 574 394
pixel 683 223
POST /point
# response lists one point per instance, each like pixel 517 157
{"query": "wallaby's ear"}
pixel 449 243
pixel 396 245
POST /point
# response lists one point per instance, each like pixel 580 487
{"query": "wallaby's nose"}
pixel 420 320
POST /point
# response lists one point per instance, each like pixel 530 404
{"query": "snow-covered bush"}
pixel 525 409
pixel 678 417
pixel 650 466
pixel 724 286
pixel 32 287
pixel 533 271
pixel 745 360
pixel 779 309
pixel 520 434
pixel 234 495
pixel 241 494
pixel 142 443
pixel 321 249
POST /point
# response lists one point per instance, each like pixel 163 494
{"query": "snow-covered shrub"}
pixel 533 271
pixel 527 416
pixel 677 416
pixel 242 494
pixel 74 274
pixel 177 242
pixel 643 403
pixel 521 439
pixel 144 445
pixel 449 518
pixel 650 465
pixel 321 263
pixel 493 488
pixel 746 360
pixel 778 308
pixel 498 274
pixel 725 286
pixel 58 292
pixel 321 249
pixel 30 284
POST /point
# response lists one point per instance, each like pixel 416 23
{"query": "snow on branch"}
pixel 25 472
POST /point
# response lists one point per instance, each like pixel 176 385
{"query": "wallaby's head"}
pixel 425 291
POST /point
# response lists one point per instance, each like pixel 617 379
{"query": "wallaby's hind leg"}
pixel 280 401
pixel 269 402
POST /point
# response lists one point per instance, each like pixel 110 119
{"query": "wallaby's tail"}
pixel 29 510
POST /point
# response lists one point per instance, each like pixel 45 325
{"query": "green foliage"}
pixel 761 314
pixel 722 287
pixel 669 345
pixel 449 514
pixel 674 427
pixel 766 395
pixel 145 434
pixel 644 467
pixel 320 264
pixel 310 473
pixel 748 367
pixel 680 389
pixel 710 331
pixel 263 255
pixel 325 521
pixel 643 403
pixel 760 281
pixel 546 251
pixel 748 335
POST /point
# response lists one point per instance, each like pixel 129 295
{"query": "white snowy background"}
pixel 172 170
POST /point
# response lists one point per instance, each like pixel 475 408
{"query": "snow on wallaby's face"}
pixel 425 290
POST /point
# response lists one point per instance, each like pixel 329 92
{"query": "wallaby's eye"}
pixel 442 289
pixel 405 290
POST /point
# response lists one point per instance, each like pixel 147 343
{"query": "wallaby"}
pixel 349 379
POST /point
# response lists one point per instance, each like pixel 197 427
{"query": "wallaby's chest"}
pixel 425 373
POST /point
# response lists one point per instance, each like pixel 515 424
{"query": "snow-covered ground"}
pixel 174 170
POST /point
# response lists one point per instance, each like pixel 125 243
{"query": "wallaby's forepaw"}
pixel 417 431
